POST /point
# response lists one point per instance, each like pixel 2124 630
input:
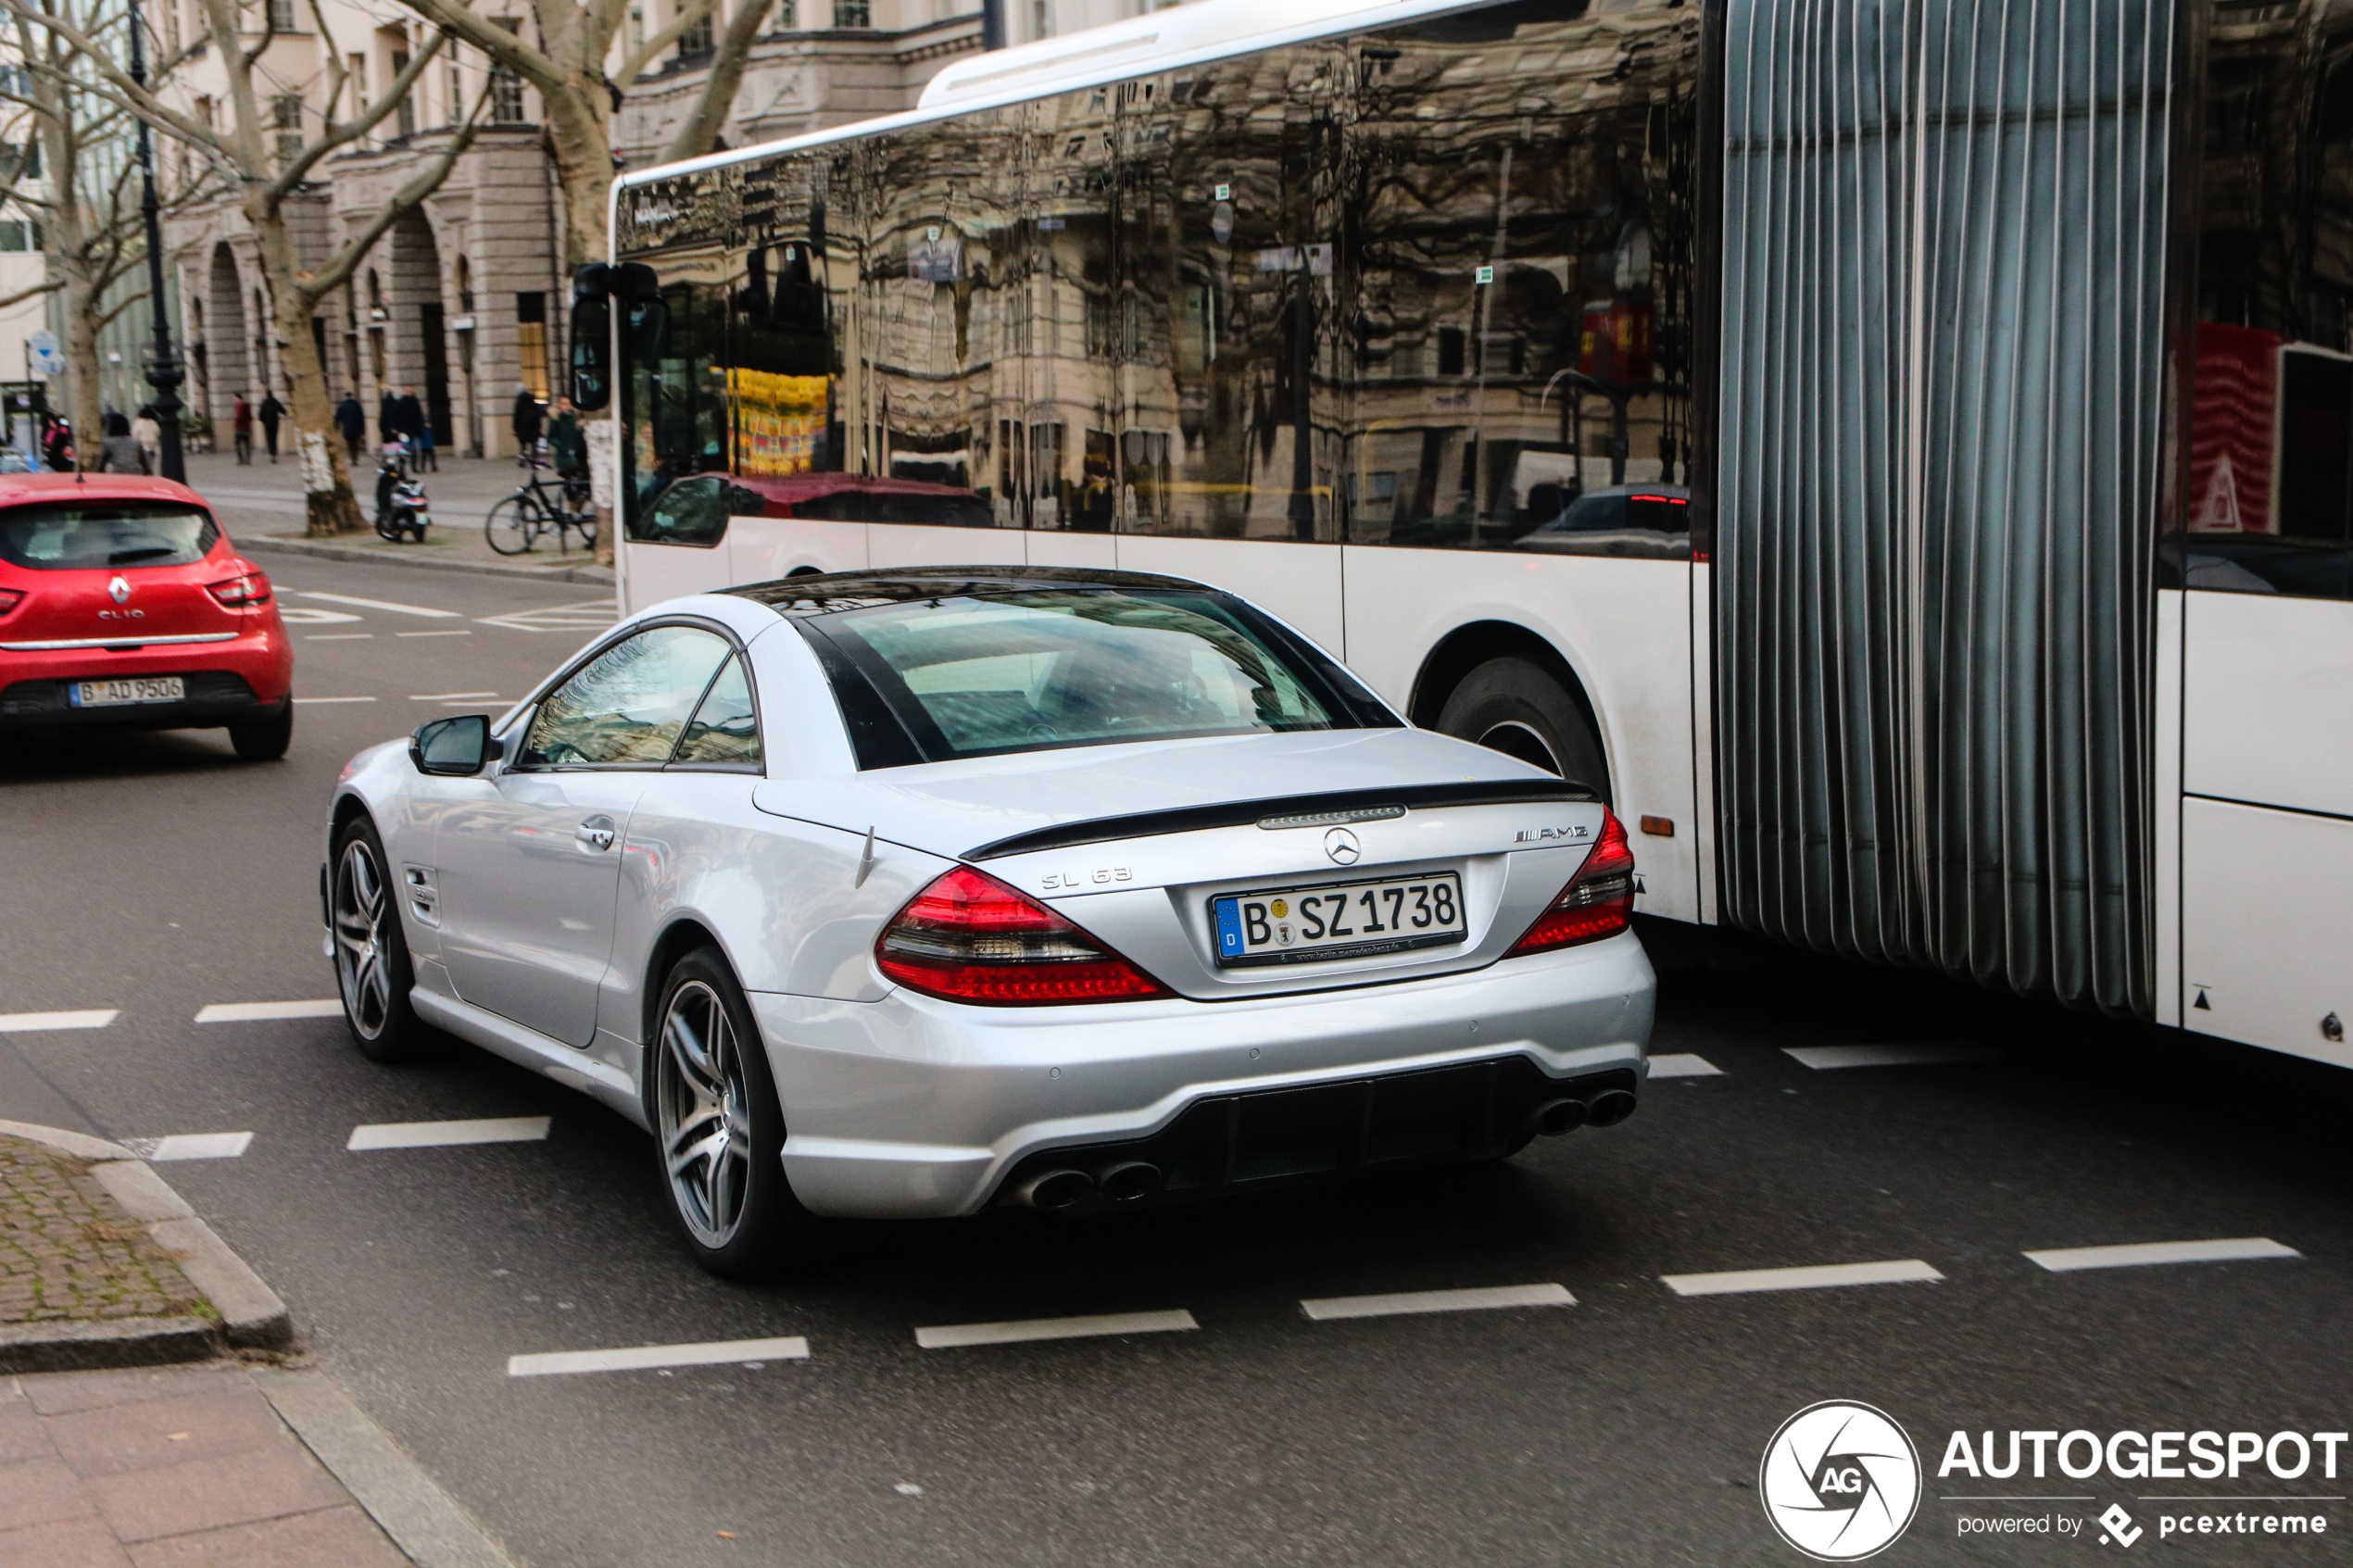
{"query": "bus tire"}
pixel 1514 706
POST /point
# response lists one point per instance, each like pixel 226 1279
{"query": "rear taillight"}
pixel 243 592
pixel 10 599
pixel 1598 900
pixel 970 939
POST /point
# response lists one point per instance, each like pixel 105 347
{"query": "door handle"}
pixel 597 832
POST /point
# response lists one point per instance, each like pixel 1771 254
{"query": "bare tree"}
pixel 567 66
pixel 91 228
pixel 268 181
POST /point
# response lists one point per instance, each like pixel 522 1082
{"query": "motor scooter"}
pixel 401 508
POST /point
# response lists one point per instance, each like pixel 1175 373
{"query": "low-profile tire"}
pixel 373 971
pixel 1514 706
pixel 719 1131
pixel 264 740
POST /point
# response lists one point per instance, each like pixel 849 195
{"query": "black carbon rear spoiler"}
pixel 1295 811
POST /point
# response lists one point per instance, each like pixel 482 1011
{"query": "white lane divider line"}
pixel 641 1358
pixel 380 604
pixel 303 615
pixel 589 616
pixel 446 1135
pixel 2066 1259
pixel 453 697
pixel 955 1337
pixel 264 1012
pixel 1822 1276
pixel 1683 1065
pixel 306 701
pixel 1826 1057
pixel 1478 1299
pixel 433 634
pixel 32 1023
pixel 191 1145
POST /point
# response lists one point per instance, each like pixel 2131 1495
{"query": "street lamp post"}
pixel 163 367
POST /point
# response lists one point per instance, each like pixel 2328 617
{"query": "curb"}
pixel 270 544
pixel 252 1317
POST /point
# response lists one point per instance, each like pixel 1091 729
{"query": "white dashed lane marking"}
pixel 589 616
pixel 2066 1259
pixel 380 604
pixel 32 1023
pixel 444 1135
pixel 453 697
pixel 305 701
pixel 191 1145
pixel 1823 1276
pixel 954 1336
pixel 1478 1299
pixel 723 1352
pixel 433 634
pixel 339 636
pixel 1684 1066
pixel 310 615
pixel 264 1013
pixel 1825 1057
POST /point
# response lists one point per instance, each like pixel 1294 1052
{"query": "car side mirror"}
pixel 454 749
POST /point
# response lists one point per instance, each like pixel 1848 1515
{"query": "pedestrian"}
pixel 241 427
pixel 271 412
pixel 387 419
pixel 120 452
pixel 352 420
pixel 57 445
pixel 411 415
pixel 565 441
pixel 148 433
pixel 527 421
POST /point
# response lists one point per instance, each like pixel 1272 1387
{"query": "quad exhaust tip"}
pixel 1609 1108
pixel 1557 1116
pixel 1129 1181
pixel 1055 1191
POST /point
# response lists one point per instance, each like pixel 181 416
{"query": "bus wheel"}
pixel 1512 706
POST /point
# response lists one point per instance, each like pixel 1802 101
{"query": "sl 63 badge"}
pixel 1099 876
pixel 1544 836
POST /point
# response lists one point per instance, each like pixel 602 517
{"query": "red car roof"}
pixel 18 488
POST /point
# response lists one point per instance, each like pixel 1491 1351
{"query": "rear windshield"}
pixel 1030 671
pixel 67 536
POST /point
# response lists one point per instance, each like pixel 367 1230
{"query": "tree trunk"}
pixel 63 238
pixel 329 504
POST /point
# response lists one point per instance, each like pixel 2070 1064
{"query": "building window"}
pixel 17 234
pixel 465 287
pixel 287 117
pixel 853 13
pixel 281 16
pixel 531 342
pixel 697 39
pixel 407 113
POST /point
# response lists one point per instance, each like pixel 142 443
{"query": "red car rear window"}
pixel 70 537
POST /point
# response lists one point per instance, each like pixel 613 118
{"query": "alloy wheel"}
pixel 701 1101
pixel 361 908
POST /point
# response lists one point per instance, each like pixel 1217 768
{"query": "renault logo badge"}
pixel 119 590
pixel 1342 846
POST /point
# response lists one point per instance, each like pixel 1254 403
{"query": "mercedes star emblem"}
pixel 1342 846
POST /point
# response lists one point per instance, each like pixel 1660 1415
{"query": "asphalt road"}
pixel 156 875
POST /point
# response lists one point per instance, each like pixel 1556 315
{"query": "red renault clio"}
pixel 124 605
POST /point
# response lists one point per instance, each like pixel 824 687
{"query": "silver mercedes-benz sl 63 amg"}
pixel 913 893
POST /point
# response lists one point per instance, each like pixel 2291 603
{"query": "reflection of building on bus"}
pixel 1780 438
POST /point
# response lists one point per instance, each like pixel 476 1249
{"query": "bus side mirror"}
pixel 594 288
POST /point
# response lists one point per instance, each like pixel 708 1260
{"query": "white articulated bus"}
pixel 1901 453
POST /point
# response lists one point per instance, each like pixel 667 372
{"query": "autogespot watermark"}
pixel 1841 1481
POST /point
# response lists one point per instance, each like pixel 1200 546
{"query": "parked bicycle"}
pixel 519 521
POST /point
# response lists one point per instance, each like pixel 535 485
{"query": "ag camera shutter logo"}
pixel 1840 1481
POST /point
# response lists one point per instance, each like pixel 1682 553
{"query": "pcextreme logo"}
pixel 1840 1481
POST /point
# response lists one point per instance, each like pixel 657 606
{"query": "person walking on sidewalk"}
pixel 528 420
pixel 352 420
pixel 566 443
pixel 271 412
pixel 414 429
pixel 121 452
pixel 387 419
pixel 241 427
pixel 149 435
pixel 56 446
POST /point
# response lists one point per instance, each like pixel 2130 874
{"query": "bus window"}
pixel 1523 290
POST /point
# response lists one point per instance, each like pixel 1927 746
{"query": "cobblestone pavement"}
pixel 67 1251
pixel 168 1468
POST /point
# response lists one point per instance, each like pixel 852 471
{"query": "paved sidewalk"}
pixel 70 1252
pixel 262 503
pixel 168 1467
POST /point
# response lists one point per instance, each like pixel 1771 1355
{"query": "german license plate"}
pixel 1342 920
pixel 116 694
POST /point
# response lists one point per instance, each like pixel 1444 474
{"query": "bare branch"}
pixel 332 276
pixel 634 64
pixel 9 302
pixel 162 116
pixel 268 34
pixel 369 118
pixel 701 130
pixel 506 48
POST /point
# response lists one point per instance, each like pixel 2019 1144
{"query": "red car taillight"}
pixel 245 592
pixel 1598 900
pixel 970 939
